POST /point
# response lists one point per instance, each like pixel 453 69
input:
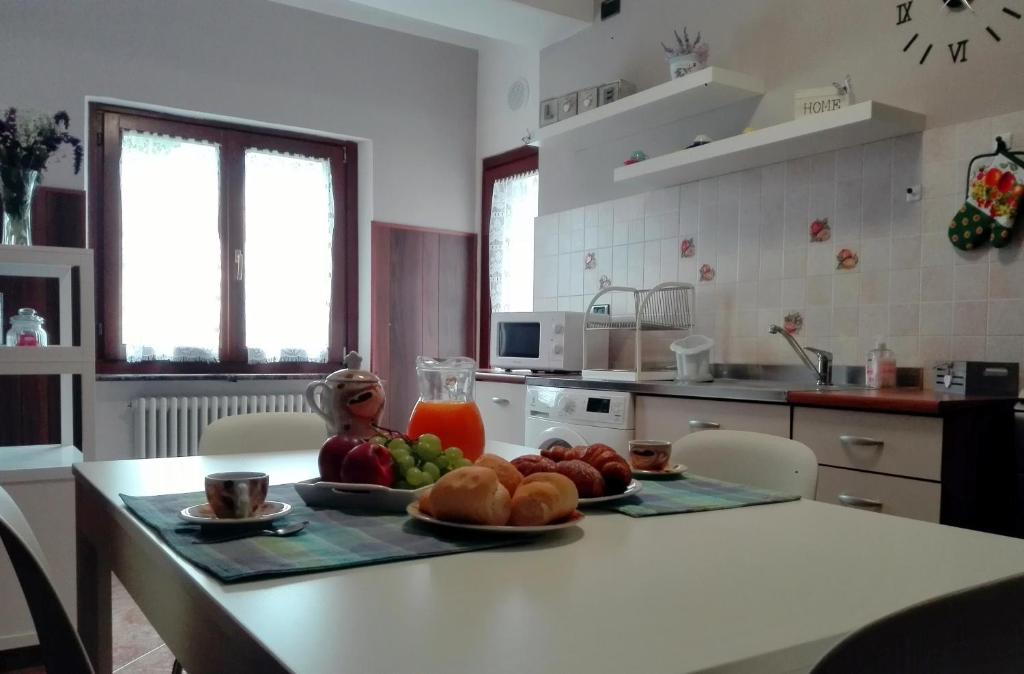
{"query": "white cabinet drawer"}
pixel 503 408
pixel 672 418
pixel 886 443
pixel 915 499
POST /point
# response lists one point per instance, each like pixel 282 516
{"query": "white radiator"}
pixel 172 426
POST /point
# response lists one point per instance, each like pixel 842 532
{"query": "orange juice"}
pixel 457 423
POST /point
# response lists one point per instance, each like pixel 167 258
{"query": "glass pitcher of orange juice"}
pixel 446 407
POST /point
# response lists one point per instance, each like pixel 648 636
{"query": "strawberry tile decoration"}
pixel 793 323
pixel 846 259
pixel 706 273
pixel 820 231
pixel 687 248
pixel 589 261
pixel 993 197
pixel 604 281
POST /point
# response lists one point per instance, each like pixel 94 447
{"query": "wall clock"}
pixel 977 22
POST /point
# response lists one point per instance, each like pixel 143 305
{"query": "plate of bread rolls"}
pixel 492 495
pixel 599 473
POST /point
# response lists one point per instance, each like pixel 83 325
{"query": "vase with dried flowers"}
pixel 686 56
pixel 27 142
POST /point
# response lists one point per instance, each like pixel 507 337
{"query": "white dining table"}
pixel 767 588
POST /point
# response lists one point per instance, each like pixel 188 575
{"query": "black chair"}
pixel 61 647
pixel 976 630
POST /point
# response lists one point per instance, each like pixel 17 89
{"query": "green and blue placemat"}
pixel 332 540
pixel 694 494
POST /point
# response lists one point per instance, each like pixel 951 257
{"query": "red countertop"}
pixel 904 400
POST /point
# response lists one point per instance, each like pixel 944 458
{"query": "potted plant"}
pixel 26 144
pixel 686 56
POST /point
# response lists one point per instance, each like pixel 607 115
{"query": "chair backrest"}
pixel 755 459
pixel 976 630
pixel 61 647
pixel 263 432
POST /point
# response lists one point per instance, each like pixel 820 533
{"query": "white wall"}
pixel 498 128
pixel 413 99
pixel 792 44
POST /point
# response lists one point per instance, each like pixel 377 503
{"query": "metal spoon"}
pixel 279 532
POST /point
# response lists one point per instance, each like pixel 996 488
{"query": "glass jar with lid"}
pixel 26 329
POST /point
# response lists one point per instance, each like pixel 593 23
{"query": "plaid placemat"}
pixel 694 494
pixel 332 540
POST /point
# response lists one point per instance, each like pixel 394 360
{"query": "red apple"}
pixel 332 453
pixel 992 177
pixel 1007 181
pixel 368 464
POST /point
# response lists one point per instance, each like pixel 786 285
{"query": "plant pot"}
pixel 681 66
pixel 17 190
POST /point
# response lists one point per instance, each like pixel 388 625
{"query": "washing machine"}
pixel 573 416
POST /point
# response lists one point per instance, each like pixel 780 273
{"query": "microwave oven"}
pixel 548 341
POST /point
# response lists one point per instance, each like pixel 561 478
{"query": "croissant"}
pixel 556 453
pixel 613 468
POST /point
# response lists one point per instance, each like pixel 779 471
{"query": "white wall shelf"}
pixel 702 91
pixel 64 358
pixel 858 124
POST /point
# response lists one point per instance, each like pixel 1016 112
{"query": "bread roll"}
pixel 507 473
pixel 533 463
pixel 472 494
pixel 543 498
pixel 588 481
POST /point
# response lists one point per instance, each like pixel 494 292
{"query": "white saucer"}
pixel 201 513
pixel 671 471
pixel 634 487
pixel 416 514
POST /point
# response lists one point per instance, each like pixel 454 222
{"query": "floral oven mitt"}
pixel 997 184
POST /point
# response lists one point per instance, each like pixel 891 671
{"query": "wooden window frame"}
pixel 513 162
pixel 107 122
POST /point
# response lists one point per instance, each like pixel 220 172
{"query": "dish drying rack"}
pixel 631 343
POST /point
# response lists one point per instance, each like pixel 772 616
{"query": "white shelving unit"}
pixel 855 125
pixel 702 91
pixel 64 358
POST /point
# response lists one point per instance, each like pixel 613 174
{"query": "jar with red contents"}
pixel 26 329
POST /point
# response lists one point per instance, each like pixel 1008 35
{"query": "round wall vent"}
pixel 518 94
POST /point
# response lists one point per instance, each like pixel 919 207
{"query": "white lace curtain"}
pixel 513 210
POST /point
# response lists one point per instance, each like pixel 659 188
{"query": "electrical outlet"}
pixel 914 193
pixel 1007 138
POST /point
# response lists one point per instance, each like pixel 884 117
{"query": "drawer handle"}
pixel 859 502
pixel 500 401
pixel 698 425
pixel 851 441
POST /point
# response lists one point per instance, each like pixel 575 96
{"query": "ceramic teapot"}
pixel 351 400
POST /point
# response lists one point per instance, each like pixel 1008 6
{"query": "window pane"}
pixel 289 220
pixel 510 244
pixel 170 248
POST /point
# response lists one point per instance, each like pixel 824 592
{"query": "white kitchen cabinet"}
pixel 503 408
pixel 916 499
pixel 665 418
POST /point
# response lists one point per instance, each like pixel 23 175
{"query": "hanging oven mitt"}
pixel 995 190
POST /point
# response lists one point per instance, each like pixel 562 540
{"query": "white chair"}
pixel 60 644
pixel 263 432
pixel 755 459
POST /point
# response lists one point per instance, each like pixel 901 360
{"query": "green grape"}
pixel 461 463
pixel 432 441
pixel 405 462
pixel 453 453
pixel 428 478
pixel 432 470
pixel 416 477
pixel 427 452
pixel 398 443
pixel 399 452
pixel 442 462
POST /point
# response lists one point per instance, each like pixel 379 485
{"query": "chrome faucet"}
pixel 822 369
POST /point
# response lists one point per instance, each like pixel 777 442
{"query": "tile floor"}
pixel 137 647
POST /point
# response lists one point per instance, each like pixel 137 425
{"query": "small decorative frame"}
pixel 567 106
pixel 548 111
pixel 587 99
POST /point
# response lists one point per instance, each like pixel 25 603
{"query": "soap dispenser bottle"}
pixel 881 367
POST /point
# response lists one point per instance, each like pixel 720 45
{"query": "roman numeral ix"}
pixel 904 12
pixel 958 51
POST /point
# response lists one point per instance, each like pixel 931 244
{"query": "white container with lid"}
pixel 693 358
pixel 881 367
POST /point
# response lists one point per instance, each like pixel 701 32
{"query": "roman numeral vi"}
pixel 958 51
pixel 904 12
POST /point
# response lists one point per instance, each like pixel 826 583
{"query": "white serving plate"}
pixel 346 495
pixel 634 487
pixel 671 471
pixel 414 511
pixel 202 513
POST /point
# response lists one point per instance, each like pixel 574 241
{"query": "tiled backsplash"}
pixel 884 269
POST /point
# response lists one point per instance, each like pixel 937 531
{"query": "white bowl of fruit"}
pixel 381 474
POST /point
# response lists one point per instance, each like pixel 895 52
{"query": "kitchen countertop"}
pixel 502 376
pixel 908 400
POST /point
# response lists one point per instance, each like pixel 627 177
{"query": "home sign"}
pixel 816 101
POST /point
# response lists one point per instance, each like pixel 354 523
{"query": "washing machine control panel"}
pixel 609 409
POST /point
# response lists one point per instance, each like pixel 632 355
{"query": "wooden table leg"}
pixel 93 585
